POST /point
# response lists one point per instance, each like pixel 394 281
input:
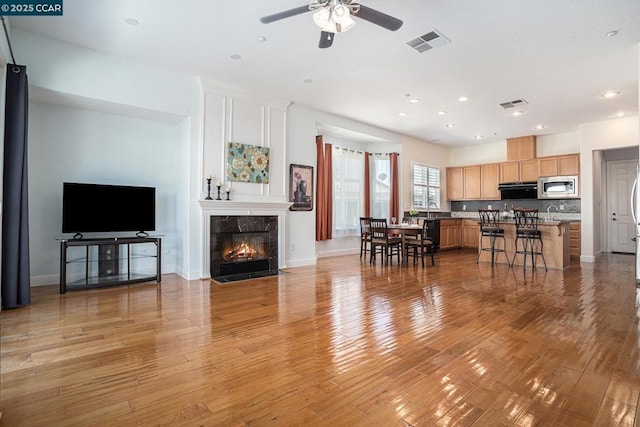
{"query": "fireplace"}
pixel 243 247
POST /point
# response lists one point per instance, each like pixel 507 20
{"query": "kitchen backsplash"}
pixel 564 209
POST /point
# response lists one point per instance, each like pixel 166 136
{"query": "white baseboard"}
pixel 339 252
pixel 45 280
pixel 587 258
pixel 302 262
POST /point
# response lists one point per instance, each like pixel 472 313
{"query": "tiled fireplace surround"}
pixel 246 216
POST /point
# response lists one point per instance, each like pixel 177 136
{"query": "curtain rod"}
pixel 362 152
pixel 6 34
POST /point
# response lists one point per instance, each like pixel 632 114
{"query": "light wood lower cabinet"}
pixel 575 240
pixel 470 233
pixel 450 233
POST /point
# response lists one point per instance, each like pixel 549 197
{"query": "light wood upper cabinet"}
pixel 472 183
pixel 524 170
pixel 480 182
pixel 559 165
pixel 509 172
pixel 455 184
pixel 569 165
pixel 490 179
pixel 529 170
pixel 521 148
pixel 547 166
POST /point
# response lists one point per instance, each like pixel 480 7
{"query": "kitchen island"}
pixel 555 236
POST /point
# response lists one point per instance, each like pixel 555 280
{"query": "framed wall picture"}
pixel 301 187
pixel 247 163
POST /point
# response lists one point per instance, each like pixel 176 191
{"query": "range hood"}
pixel 518 190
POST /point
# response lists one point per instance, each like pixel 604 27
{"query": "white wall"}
pixel 302 127
pixel 479 153
pixel 72 145
pixel 493 152
pixel 594 137
pixel 558 144
pixel 75 76
pixel 70 69
pixel 235 117
pixel 414 150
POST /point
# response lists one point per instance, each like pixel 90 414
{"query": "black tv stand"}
pixel 101 262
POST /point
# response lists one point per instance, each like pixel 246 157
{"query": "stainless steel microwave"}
pixel 558 187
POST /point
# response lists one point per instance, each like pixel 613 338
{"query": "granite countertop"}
pixel 557 218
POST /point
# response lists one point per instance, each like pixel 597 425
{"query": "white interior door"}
pixel 621 227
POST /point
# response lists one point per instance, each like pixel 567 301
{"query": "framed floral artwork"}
pixel 301 187
pixel 247 163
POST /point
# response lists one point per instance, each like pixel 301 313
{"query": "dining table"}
pixel 404 229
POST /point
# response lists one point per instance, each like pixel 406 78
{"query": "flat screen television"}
pixel 107 208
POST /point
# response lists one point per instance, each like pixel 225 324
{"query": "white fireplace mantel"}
pixel 211 208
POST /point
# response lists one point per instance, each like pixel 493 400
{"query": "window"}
pixel 426 187
pixel 380 170
pixel 348 190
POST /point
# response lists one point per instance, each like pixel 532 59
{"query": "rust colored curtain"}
pixel 367 186
pixel 394 199
pixel 324 191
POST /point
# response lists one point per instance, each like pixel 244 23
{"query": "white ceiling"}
pixel 552 53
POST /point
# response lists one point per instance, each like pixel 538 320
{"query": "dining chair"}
pixel 382 242
pixel 365 235
pixel 420 246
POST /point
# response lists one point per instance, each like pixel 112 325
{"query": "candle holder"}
pixel 218 192
pixel 208 190
pixel 228 195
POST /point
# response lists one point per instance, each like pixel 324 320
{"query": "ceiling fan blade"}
pixel 285 14
pixel 326 39
pixel 379 18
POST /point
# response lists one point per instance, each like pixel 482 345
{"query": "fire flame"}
pixel 242 251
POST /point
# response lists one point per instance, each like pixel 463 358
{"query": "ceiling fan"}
pixel 335 16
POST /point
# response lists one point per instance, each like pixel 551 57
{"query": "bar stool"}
pixel 527 232
pixel 490 227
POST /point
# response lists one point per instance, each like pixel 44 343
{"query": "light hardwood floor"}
pixel 340 343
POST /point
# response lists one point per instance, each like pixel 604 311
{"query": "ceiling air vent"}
pixel 427 41
pixel 514 103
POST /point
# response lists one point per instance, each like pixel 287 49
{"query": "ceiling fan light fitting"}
pixel 322 17
pixel 346 25
pixel 341 14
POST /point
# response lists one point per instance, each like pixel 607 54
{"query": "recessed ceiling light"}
pixel 610 94
pixel 450 125
pixel 620 114
pixel 402 114
pixel 612 33
pixel 132 21
pixel 517 113
pixel 308 80
pixel 540 126
pixel 235 56
pixel 262 39
pixel 414 101
pixel 442 113
pixel 479 136
pixel 463 99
